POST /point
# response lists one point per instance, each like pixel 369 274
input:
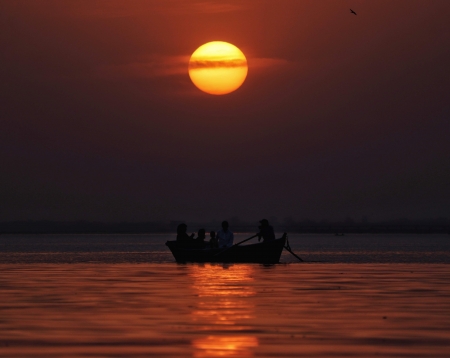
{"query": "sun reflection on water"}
pixel 225 346
pixel 225 304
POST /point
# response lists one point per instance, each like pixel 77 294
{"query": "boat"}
pixel 266 252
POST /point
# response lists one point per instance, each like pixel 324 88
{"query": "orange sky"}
pixel 340 115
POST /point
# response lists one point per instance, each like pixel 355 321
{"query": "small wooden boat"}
pixel 267 252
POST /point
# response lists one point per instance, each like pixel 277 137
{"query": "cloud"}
pixel 213 7
pixel 147 67
pixel 231 63
pixel 162 66
pixel 119 8
pixel 108 8
pixel 264 62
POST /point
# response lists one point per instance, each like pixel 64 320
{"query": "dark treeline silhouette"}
pixel 82 227
pixel 441 225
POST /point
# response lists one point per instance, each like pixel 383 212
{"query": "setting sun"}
pixel 218 68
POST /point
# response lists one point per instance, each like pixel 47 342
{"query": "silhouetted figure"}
pixel 213 242
pixel 183 239
pixel 224 236
pixel 354 13
pixel 266 231
pixel 201 236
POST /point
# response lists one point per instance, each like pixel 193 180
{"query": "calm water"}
pixel 123 296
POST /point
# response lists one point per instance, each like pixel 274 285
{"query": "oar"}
pixel 221 252
pixel 293 253
pixel 288 247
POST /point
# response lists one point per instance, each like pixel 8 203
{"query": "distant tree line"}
pixel 50 227
pixel 441 225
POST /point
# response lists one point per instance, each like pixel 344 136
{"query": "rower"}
pixel 266 231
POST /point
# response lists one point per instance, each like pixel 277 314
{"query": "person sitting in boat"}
pixel 201 236
pixel 224 236
pixel 213 243
pixel 183 239
pixel 266 231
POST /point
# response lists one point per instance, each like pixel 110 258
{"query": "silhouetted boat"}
pixel 267 252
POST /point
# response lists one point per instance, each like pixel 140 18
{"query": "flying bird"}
pixel 352 11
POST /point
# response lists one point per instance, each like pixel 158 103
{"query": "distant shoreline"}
pixel 50 227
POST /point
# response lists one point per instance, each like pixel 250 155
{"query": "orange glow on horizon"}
pixel 218 68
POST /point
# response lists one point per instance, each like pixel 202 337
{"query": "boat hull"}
pixel 267 252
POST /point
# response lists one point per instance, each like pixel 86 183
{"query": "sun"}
pixel 218 68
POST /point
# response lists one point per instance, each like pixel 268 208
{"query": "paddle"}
pixel 288 248
pixel 241 242
pixel 293 253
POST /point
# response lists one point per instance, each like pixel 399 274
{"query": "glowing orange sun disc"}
pixel 218 68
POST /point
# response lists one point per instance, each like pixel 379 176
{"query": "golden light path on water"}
pixel 223 306
pixel 170 310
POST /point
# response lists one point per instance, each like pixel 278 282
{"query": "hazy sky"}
pixel 340 115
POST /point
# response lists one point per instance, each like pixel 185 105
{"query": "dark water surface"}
pixel 123 296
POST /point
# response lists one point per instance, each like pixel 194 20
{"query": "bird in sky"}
pixel 352 11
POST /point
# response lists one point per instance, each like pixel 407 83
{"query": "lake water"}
pixel 124 296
